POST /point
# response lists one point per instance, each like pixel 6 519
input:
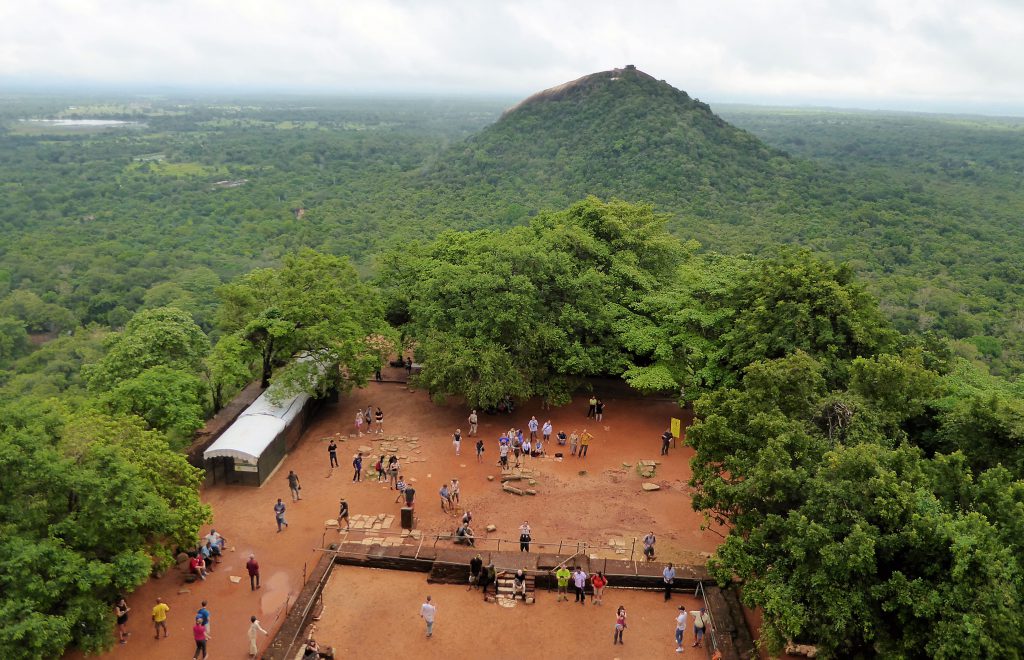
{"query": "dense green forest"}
pixel 838 294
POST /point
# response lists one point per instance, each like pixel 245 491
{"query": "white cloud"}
pixel 913 53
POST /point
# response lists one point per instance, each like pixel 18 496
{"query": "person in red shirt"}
pixel 198 566
pixel 253 567
pixel 201 636
pixel 599 582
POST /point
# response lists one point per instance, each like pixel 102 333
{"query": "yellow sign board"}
pixel 676 427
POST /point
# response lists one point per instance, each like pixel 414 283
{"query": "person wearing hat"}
pixel 680 628
pixel 700 622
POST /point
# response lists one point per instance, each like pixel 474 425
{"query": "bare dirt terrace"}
pixel 603 504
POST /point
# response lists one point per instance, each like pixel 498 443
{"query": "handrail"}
pixel 708 633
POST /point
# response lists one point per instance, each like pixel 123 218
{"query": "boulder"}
pixel 511 489
pixel 649 487
pixel 491 528
pixel 490 477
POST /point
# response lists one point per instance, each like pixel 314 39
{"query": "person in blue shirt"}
pixel 357 466
pixel 204 615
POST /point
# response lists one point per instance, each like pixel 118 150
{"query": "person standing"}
pixel 680 628
pixel 599 582
pixel 279 510
pixel 410 496
pixel 666 438
pixel 620 624
pixel 446 500
pixel 254 629
pixel 545 431
pixel 201 636
pixel 343 514
pixel 400 487
pixel 160 611
pixel 332 452
pixel 427 612
pixel 357 468
pixel 203 614
pixel 368 418
pixel 649 542
pixel 408 367
pixel 476 565
pixel 487 577
pixel 294 486
pixel 121 611
pixel 700 624
pixel 380 421
pixel 473 419
pixel 457 441
pixel 533 425
pixel 524 537
pixel 585 439
pixel 574 441
pixel 359 423
pixel 453 493
pixel 592 406
pixel 579 580
pixel 253 568
pixel 393 471
pixel 668 576
pixel 382 469
pixel 599 410
pixel 503 456
pixel 562 576
pixel 479 450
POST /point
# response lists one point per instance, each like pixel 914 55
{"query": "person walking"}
pixel 294 486
pixel 649 542
pixel 479 450
pixel 382 470
pixel 359 423
pixel 666 438
pixel 160 611
pixel 620 624
pixel 473 419
pixel 524 537
pixel 562 576
pixel 253 568
pixel 332 453
pixel 701 620
pixel 357 468
pixel 201 636
pixel 379 415
pixel 121 611
pixel 427 612
pixel 599 410
pixel 533 425
pixel 343 514
pixel 204 614
pixel 585 439
pixel 400 487
pixel 476 565
pixel 254 629
pixel 279 510
pixel 680 628
pixel 579 580
pixel 599 582
pixel 454 491
pixel 457 441
pixel 446 501
pixel 592 406
pixel 668 576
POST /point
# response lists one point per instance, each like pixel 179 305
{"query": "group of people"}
pixel 200 629
pixel 595 408
pixel 579 579
pixel 201 560
pixel 372 419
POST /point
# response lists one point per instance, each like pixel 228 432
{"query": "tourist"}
pixel 524 537
pixel 121 611
pixel 700 624
pixel 368 418
pixel 253 568
pixel 343 514
pixel 592 406
pixel 357 467
pixel 517 448
pixel 527 449
pixel 197 565
pixel 279 514
pixel 561 438
pixel 427 612
pixel 160 611
pixel 216 542
pixel 457 441
pixel 476 564
pixel 503 456
pixel 599 410
pixel 312 651
pixel 379 416
pixel 519 584
pixel 487 577
pixel 454 491
pixel 400 487
pixel 294 486
pixel 207 556
pixel 377 375
pixel 562 576
pixel 254 629
pixel 545 431
pixel 649 542
pixel 446 498
pixel 680 628
pixel 579 580
pixel 585 439
pixel 332 453
pixel 359 423
pixel 408 367
pixel 538 449
pixel 472 422
pixel 599 582
pixel 668 576
pixel 533 425
pixel 574 440
pixel 467 517
pixel 410 496
pixel 393 471
pixel 464 536
pixel 201 636
pixel 479 450
pixel 666 438
pixel 203 614
pixel 382 471
pixel 620 624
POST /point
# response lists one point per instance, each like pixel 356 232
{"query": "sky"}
pixel 935 55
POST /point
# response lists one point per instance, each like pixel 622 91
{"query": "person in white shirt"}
pixel 669 576
pixel 680 628
pixel 427 612
pixel 700 622
pixel 579 580
pixel 254 629
pixel 649 542
pixel 546 430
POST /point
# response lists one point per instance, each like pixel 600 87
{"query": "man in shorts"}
pixel 343 514
pixel 562 575
pixel 473 419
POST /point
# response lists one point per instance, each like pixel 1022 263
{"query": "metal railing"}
pixel 709 629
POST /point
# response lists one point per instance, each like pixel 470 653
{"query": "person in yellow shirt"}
pixel 160 617
pixel 585 439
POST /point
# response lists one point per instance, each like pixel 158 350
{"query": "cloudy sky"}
pixel 907 54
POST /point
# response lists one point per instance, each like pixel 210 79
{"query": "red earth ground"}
pixel 607 502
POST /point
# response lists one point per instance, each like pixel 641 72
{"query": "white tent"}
pixel 256 428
